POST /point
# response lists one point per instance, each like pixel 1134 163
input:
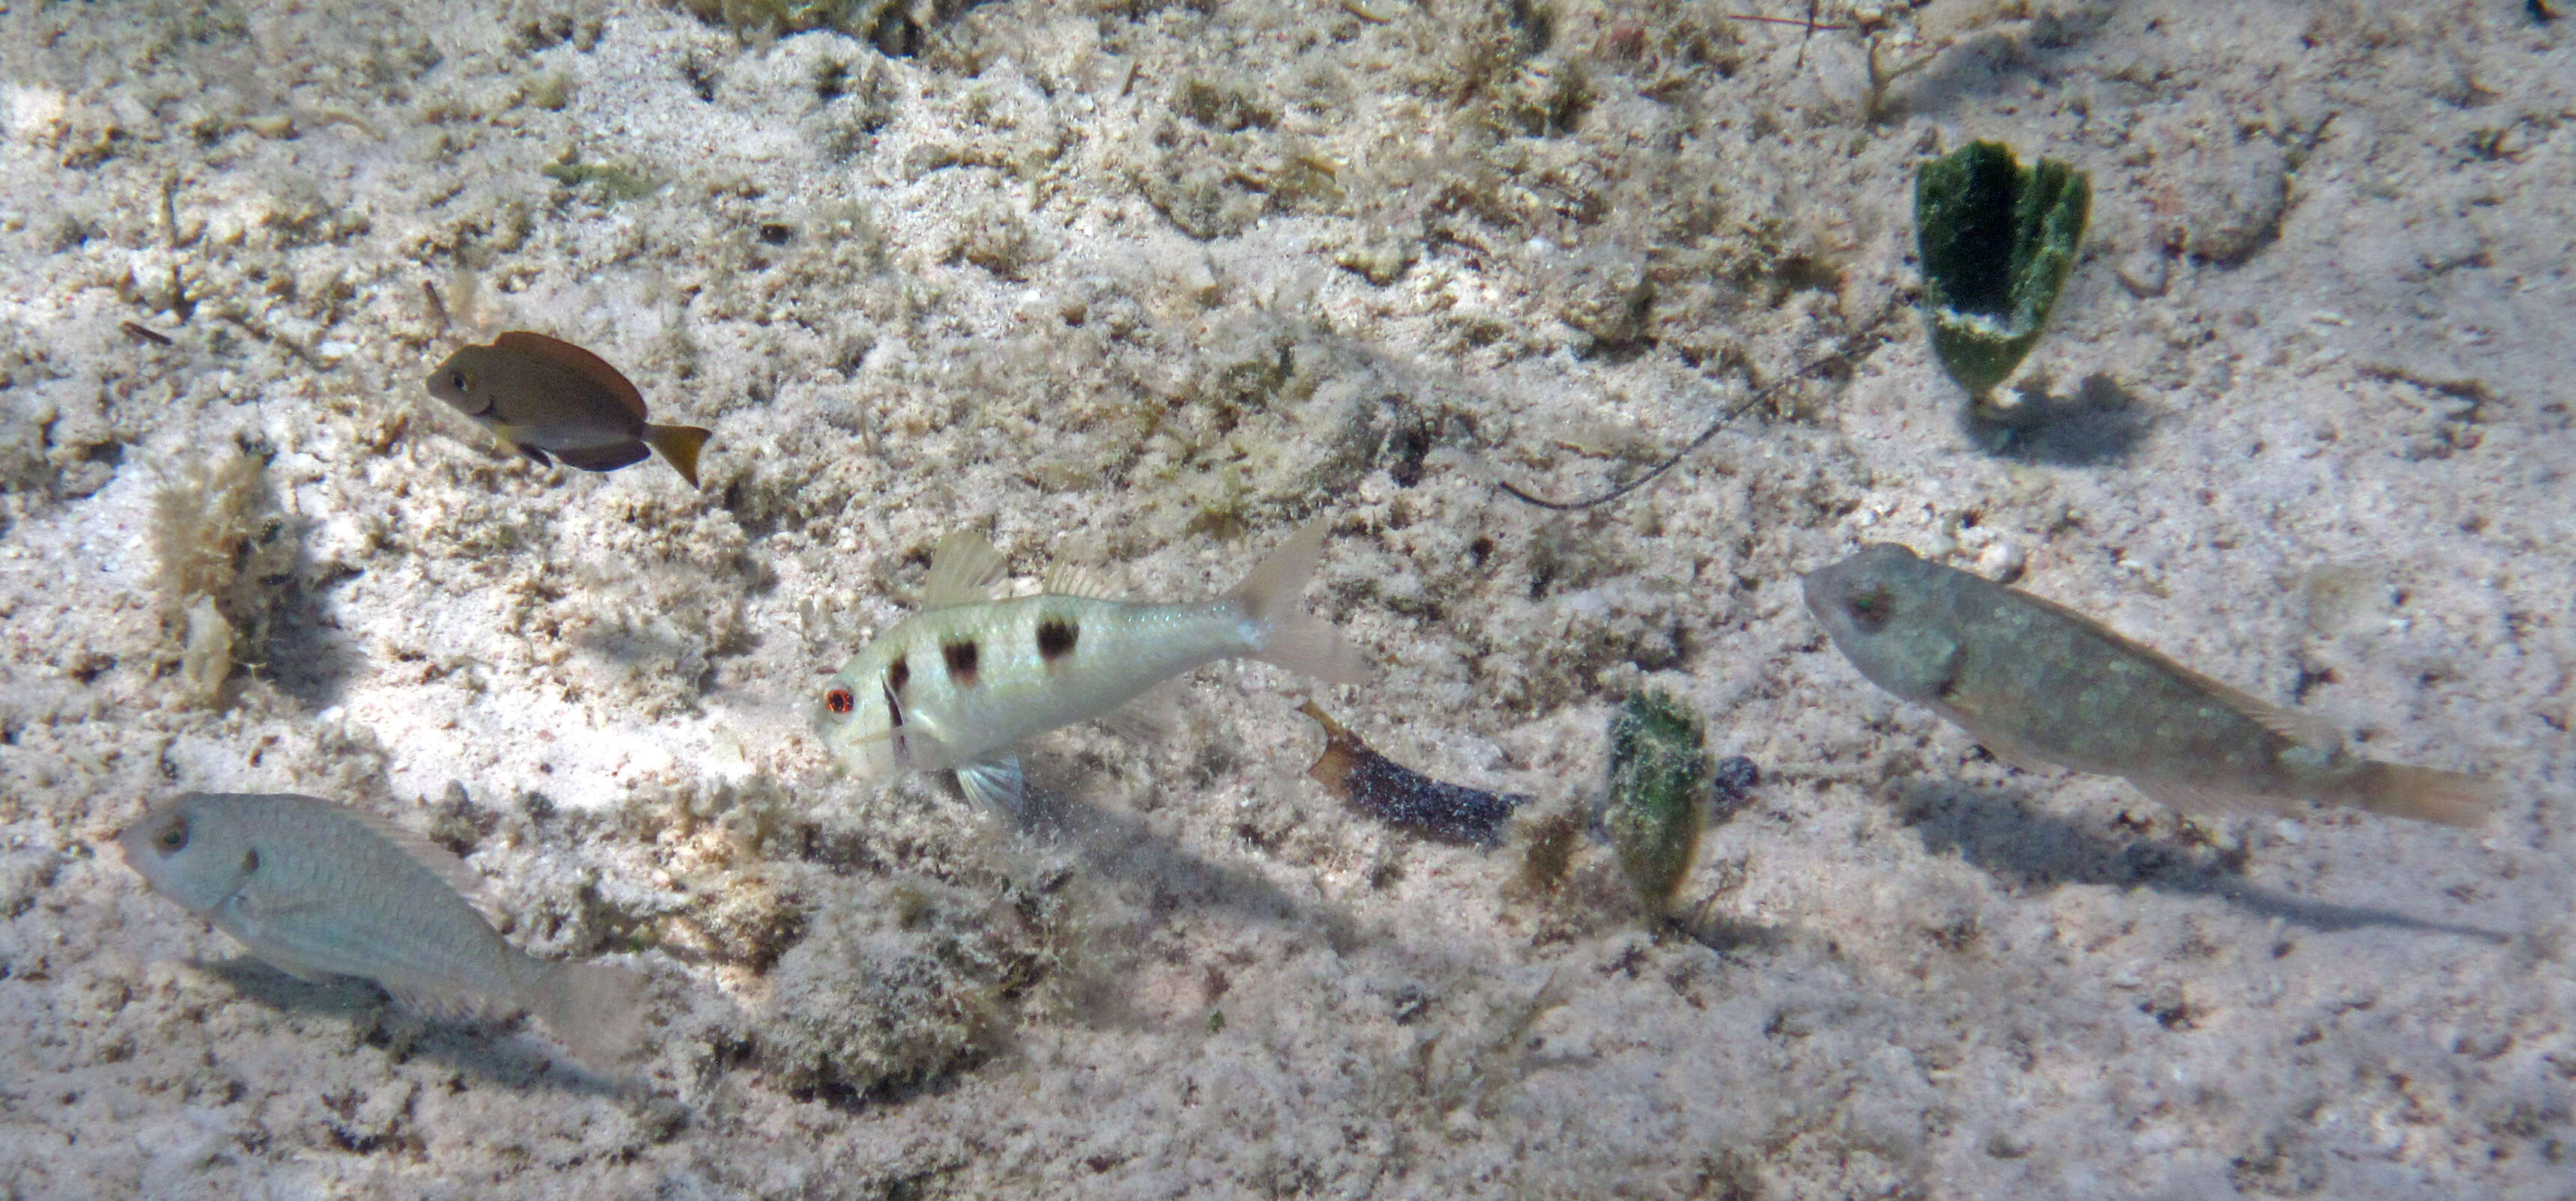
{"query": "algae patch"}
pixel 220 542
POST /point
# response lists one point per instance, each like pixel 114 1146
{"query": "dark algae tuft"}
pixel 1400 796
pixel 1998 240
pixel 1659 783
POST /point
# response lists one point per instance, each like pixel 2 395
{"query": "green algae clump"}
pixel 1659 788
pixel 1998 240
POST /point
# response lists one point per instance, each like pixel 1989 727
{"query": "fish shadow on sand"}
pixel 1120 846
pixel 2032 850
pixel 2097 424
pixel 493 1051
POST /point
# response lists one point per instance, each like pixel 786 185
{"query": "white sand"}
pixel 1104 280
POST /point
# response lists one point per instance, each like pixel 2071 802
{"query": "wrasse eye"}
pixel 174 837
pixel 839 701
pixel 1870 610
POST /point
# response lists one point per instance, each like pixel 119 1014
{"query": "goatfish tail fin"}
pixel 594 1009
pixel 679 444
pixel 2426 795
pixel 1271 598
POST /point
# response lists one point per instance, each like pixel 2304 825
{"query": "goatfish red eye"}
pixel 839 701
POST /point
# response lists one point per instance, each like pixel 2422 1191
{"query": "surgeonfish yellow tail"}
pixel 2424 794
pixel 679 444
pixel 1271 598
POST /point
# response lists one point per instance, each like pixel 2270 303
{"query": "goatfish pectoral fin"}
pixel 1272 599
pixel 679 444
pixel 995 783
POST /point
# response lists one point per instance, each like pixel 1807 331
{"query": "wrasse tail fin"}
pixel 593 1009
pixel 680 445
pixel 2427 795
pixel 1272 597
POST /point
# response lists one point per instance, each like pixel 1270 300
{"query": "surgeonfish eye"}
pixel 1870 610
pixel 457 380
pixel 839 701
pixel 174 837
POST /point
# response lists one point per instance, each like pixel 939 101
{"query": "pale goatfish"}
pixel 317 889
pixel 545 396
pixel 2038 683
pixel 956 685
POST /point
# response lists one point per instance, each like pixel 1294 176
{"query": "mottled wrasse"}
pixel 317 888
pixel 2038 683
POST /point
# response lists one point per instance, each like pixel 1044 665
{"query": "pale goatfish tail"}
pixel 1284 632
pixel 2449 797
pixel 679 444
pixel 594 1009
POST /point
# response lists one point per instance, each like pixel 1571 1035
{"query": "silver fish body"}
pixel 2038 683
pixel 319 889
pixel 957 685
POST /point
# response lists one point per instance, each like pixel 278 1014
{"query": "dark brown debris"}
pixel 1400 796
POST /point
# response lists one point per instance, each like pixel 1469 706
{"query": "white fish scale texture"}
pixel 1120 650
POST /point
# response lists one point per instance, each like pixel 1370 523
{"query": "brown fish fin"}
pixel 2306 729
pixel 2187 797
pixel 2427 795
pixel 679 444
pixel 533 454
pixel 591 366
pixel 451 870
pixel 604 458
pixel 595 1009
pixel 963 570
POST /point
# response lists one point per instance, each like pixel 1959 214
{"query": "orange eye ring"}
pixel 839 701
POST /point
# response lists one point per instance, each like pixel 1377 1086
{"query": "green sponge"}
pixel 1998 240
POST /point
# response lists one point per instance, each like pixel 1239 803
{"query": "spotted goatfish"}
pixel 546 396
pixel 956 685
pixel 316 889
pixel 2039 683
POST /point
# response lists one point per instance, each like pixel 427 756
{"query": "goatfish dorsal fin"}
pixel 2306 729
pixel 963 569
pixel 589 366
pixel 1067 577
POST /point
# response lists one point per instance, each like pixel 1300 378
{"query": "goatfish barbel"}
pixel 956 685
pixel 319 889
pixel 2039 683
pixel 545 396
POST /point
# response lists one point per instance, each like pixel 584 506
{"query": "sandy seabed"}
pixel 1151 284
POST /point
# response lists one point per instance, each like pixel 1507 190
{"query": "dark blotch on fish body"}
pixel 1659 786
pixel 548 397
pixel 961 658
pixel 1400 796
pixel 1056 638
pixel 2039 683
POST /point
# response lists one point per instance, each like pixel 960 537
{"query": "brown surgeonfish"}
pixel 2038 683
pixel 545 396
